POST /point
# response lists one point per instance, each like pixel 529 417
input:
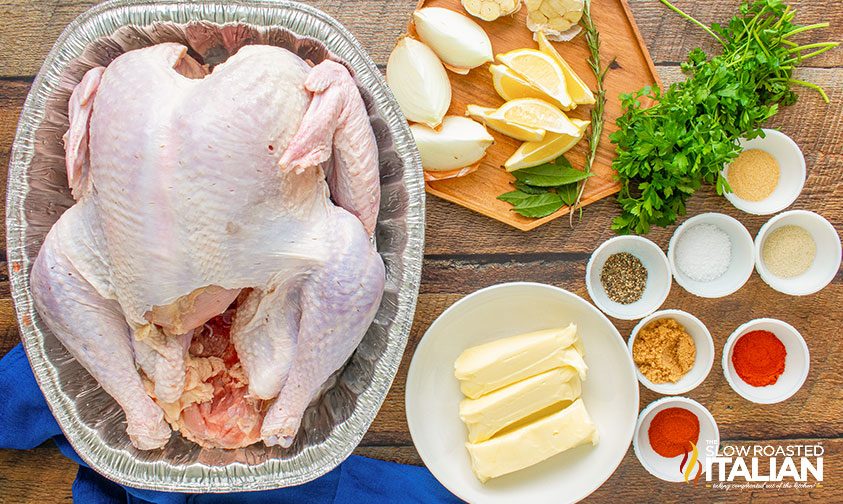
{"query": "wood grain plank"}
pixel 30 27
pixel 43 475
pixel 39 475
pixel 669 37
pixel 466 251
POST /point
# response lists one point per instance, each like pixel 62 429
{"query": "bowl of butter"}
pixel 522 391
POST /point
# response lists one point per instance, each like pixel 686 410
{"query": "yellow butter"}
pixel 533 443
pixel 490 413
pixel 484 368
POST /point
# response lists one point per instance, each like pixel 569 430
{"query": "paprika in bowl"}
pixel 766 361
pixel 673 438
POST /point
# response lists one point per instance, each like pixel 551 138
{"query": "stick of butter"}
pixel 484 368
pixel 490 413
pixel 533 443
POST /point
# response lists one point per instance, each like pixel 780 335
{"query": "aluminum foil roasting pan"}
pixel 38 194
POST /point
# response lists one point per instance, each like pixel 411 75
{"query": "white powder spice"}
pixel 703 252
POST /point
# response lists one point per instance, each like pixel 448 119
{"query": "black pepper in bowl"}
pixel 624 278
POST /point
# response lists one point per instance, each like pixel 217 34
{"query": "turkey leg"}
pixel 95 332
pixel 338 303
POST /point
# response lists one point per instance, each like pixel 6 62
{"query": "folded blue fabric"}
pixel 26 422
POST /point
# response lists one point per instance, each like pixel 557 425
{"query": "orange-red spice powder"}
pixel 759 358
pixel 672 431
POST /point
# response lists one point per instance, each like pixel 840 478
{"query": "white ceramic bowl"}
pixel 704 356
pixel 664 468
pixel 796 364
pixel 826 263
pixel 740 267
pixel 791 173
pixel 658 277
pixel 610 393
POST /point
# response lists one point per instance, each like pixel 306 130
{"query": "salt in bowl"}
pixel 740 265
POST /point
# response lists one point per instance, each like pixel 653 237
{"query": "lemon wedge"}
pixel 535 113
pixel 486 115
pixel 551 147
pixel 541 71
pixel 511 86
pixel 577 89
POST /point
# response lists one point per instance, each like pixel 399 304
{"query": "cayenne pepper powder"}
pixel 672 431
pixel 759 358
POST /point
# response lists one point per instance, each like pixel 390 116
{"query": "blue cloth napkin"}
pixel 26 422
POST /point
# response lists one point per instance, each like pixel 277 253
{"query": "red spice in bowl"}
pixel 759 357
pixel 672 431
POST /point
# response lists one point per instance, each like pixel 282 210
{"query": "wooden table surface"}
pixel 465 252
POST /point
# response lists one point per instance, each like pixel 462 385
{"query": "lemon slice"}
pixel 535 113
pixel 535 153
pixel 516 131
pixel 577 89
pixel 511 86
pixel 541 71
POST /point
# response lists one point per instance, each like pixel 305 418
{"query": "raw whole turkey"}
pixel 218 265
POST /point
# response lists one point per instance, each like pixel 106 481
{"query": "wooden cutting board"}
pixel 634 69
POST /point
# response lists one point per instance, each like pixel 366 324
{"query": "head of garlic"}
pixel 490 10
pixel 419 82
pixel 459 143
pixel 458 41
pixel 556 18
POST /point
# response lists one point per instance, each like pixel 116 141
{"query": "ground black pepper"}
pixel 624 278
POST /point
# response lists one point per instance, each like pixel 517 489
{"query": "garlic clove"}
pixel 419 82
pixel 458 41
pixel 459 143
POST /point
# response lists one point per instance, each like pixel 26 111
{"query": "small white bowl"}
pixel 796 364
pixel 826 263
pixel 658 277
pixel 740 267
pixel 791 173
pixel 667 469
pixel 702 363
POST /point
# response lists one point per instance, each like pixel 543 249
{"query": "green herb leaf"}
pixel 558 173
pixel 521 186
pixel 569 193
pixel 539 205
pixel 514 197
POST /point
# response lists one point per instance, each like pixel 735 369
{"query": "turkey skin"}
pixel 217 267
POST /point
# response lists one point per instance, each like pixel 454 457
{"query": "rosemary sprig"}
pixel 592 38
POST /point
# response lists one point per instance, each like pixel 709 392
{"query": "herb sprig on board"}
pixel 666 151
pixel 592 38
pixel 544 189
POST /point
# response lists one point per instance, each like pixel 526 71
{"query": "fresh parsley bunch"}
pixel 667 150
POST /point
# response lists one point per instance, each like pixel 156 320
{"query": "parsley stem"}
pixel 810 85
pixel 691 19
pixel 827 45
pixel 805 28
pixel 802 57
